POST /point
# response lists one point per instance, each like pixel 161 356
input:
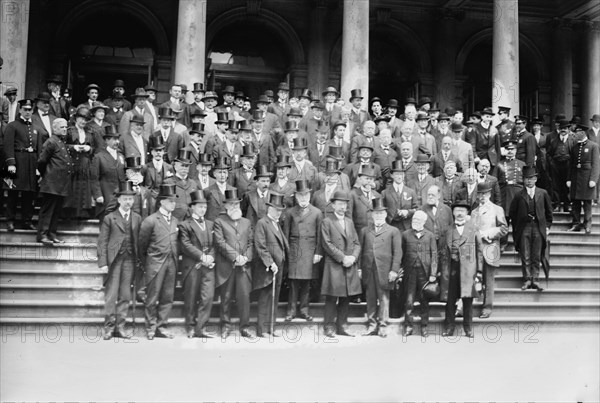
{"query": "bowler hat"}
pixel 165 112
pixel 258 116
pixel 318 105
pixel 198 87
pixel 240 95
pixel 564 124
pixel 339 123
pixel 133 162
pixel 167 191
pixel 210 95
pixel 44 96
pixel 118 83
pixel 204 159
pixel 335 152
pixel 456 127
pixel 410 100
pixel 197 128
pixel 450 111
pixel 283 86
pixel 137 119
pixel 157 143
pixel 126 188
pixel 422 116
pixel 117 96
pixel 283 161
pixel 183 156
pixel 269 93
pixel 302 186
pixel 378 204
pixel 423 101
pixel 575 120
pixel 222 117
pixel 529 171
pixel 248 150
pixel 300 144
pixel 56 78
pixel 306 93
pixel 228 90
pixel 581 128
pixel 222 163
pixel 422 159
pixel 461 203
pixel 475 114
pixel 331 89
pixel 262 99
pixel 595 118
pixel 231 195
pixel 295 112
pixel 443 116
pixel 356 93
pixel 392 103
pixel 488 111
pixel 10 91
pixel 276 201
pixel 92 87
pixel 110 131
pixel 291 126
pixel 340 195
pixel 244 126
pixel 197 196
pixel 150 87
pixel 484 187
pixel 139 93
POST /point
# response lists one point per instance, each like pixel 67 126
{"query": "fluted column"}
pixel 355 48
pixel 505 55
pixel 14 31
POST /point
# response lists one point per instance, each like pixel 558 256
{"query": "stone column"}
pixel 505 55
pixel 355 48
pixel 562 68
pixel 590 88
pixel 14 30
pixel 191 42
pixel 318 60
pixel 445 59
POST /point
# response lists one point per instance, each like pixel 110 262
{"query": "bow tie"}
pixel 199 220
pixel 460 225
pixel 386 148
pixel 45 114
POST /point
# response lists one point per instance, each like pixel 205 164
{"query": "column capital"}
pixel 383 15
pixel 253 7
pixel 562 23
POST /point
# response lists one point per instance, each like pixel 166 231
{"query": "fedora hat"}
pixel 231 195
pixel 335 152
pixel 139 93
pixel 529 171
pixel 295 112
pixel 291 126
pixel 283 161
pixel 165 112
pixel 210 95
pixel 157 143
pixel 204 159
pixel 300 144
pixel 244 126
pixel 263 172
pixel 318 105
pixel 167 191
pixel 331 90
pixel 340 195
pixel 149 88
pixel 283 86
pixel 484 187
pixel 581 128
pixel 126 188
pixel 488 111
pixel 110 131
pixel 564 124
pixel 356 93
pixel 183 156
pixel 505 109
pixel 475 114
pixel 303 186
pixel 422 159
pixel 197 196
pixel 378 204
pixel 461 203
pixel 443 116
pixel 276 201
pixel 222 117
pixel 332 167
pixel 137 119
pixel 410 100
pixel 92 87
pixel 134 162
pixel 424 100
pixel 197 128
pixel 258 116
pixel 595 118
pixel 392 103
pixel 422 116
pixel 262 99
pixel 118 83
pixel 248 150
pixel 306 93
pixel 228 90
pixel 198 87
pixel 43 96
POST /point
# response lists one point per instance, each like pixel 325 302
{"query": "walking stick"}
pixel 273 304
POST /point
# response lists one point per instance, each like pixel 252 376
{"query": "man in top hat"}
pixel 531 216
pixel 422 181
pixel 254 203
pixel 301 226
pixel 335 155
pixel 172 140
pixel 175 103
pixel 341 248
pixel 115 113
pixel 230 147
pixel 584 171
pixel 9 107
pixel 460 148
pixel 461 269
pixel 22 146
pixel 195 147
pixel 158 247
pixel 384 156
pixel 118 92
pixel 558 155
pixel 358 116
pixel 593 133
pixel 381 254
pixel 58 105
pixel 199 92
pixel 332 112
pixel 484 139
pixel 272 253
pixel 92 91
pixel 197 266
pixel 157 170
pixel 213 140
pixel 215 193
pixel 282 106
pixel 143 200
pixel 441 130
pixel 233 238
pixel 339 130
pixel 140 110
pixel 242 178
pixel 282 184
pixel 490 219
pixel 399 199
pixel 438 161
pixel 302 168
pixel 203 168
pixel 118 257
pixel 526 145
pixel 133 143
pixel 41 117
pixel 184 185
pixel 321 199
pixel 510 178
pixel 361 198
pixel 450 183
pixel 311 124
pixel 56 168
pixel 270 124
pixel 228 106
pixel 263 142
pixel 419 259
pixel 365 160
pixel 108 170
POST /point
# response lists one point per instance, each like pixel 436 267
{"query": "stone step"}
pixel 56 266
pixel 572 268
pixel 557 257
pixel 515 281
pixel 571 246
pixel 51 277
pixel 69 236
pixel 38 251
pixel 92 225
pixel 17 292
pixel 548 295
pixel 568 236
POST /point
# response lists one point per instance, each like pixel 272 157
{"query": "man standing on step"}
pixel 117 255
pixel 158 246
pixel 531 216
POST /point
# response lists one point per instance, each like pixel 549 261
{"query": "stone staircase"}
pixel 63 285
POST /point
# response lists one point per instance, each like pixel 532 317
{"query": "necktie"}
pixel 434 210
pixel 378 229
pixel 126 217
pixel 168 218
pixel 445 156
pixel 164 133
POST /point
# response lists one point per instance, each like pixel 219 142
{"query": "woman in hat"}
pixel 81 144
pixel 97 125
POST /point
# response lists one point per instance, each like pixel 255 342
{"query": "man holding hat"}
pixel 215 193
pixel 254 203
pixel 234 251
pixel 133 143
pixel 22 146
pixel 301 226
pixel 184 185
pixel 158 247
pixel 490 219
pixel 108 170
pixel 41 117
pixel 197 266
pixel 272 252
pixel 118 256
pixel 141 111
pixel 584 171
pixel 531 216
pixel 462 265
pixel 281 184
pixel 341 281
pixel 526 144
pixel 400 200
pixel 381 255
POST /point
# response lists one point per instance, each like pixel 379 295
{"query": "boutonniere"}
pixel 406 196
pixel 585 150
pixel 35 131
pixel 169 174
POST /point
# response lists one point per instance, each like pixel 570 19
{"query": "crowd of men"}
pixel 311 190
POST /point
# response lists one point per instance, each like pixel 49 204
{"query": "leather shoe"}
pixel 164 334
pixel 536 286
pixel 424 331
pixel 485 315
pixel 371 331
pixel 56 240
pixel 288 318
pixel 150 336
pixel 588 230
pixel 381 332
pixel 329 334
pixel 448 333
pixel 459 313
pixel 306 317
pixel 29 225
pixel 191 333
pixel 108 334
pixel 408 331
pixel 10 227
pixel 342 332
pixel 469 334
pixel 245 333
pixel 575 228
pixel 120 332
pixel 225 333
pixel 46 241
pixel 526 285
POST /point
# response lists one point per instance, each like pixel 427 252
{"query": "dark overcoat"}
pixel 303 232
pixel 271 246
pixel 230 241
pixel 158 242
pixel 56 167
pixel 380 253
pixel 584 167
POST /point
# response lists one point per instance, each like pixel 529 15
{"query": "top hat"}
pixel 410 100
pixel 110 131
pixel 300 144
pixel 269 93
pixel 340 195
pixel 509 143
pixel 302 186
pixel 461 203
pixel 222 163
pixel 92 87
pixel 504 109
pixel 263 172
pixel 197 196
pixel 318 105
pixel 231 195
pixel 538 120
pixel 306 93
pixel 222 117
pixel 521 118
pixel 366 170
pixel 198 87
pixel 262 99
pixel 197 128
pixel 339 123
pixel 291 125
pixel 117 96
pixel 559 117
pixel 283 86
pixel 484 187
pixel 424 100
pixel 581 128
pixel 164 112
pixel 335 152
pixel 126 188
pixel 44 96
pixel 331 89
pixel 488 111
pixel 150 87
pixel 392 103
pixel 575 120
pixel 157 143
pixel 210 95
pixel 258 116
pixel 232 126
pixel 456 127
pixel 25 103
pixel 118 83
pixel 356 93
pixel 245 126
pixel 332 167
pixel 10 91
pixel 183 156
pixel 378 204
pixel 56 78
pixel 397 166
pixel 204 159
pixel 134 162
pixel 167 191
pixel 295 112
pixel 323 127
pixel 137 119
pixel 248 150
pixel 228 90
pixel 422 116
pixel 276 201
pixel 422 159
pixel 139 93
pixel 529 171
pixel 564 124
pixel 283 161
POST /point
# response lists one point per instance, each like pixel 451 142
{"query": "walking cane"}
pixel 273 304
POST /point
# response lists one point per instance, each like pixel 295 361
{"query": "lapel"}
pixel 338 226
pixel 197 230
pixel 119 220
